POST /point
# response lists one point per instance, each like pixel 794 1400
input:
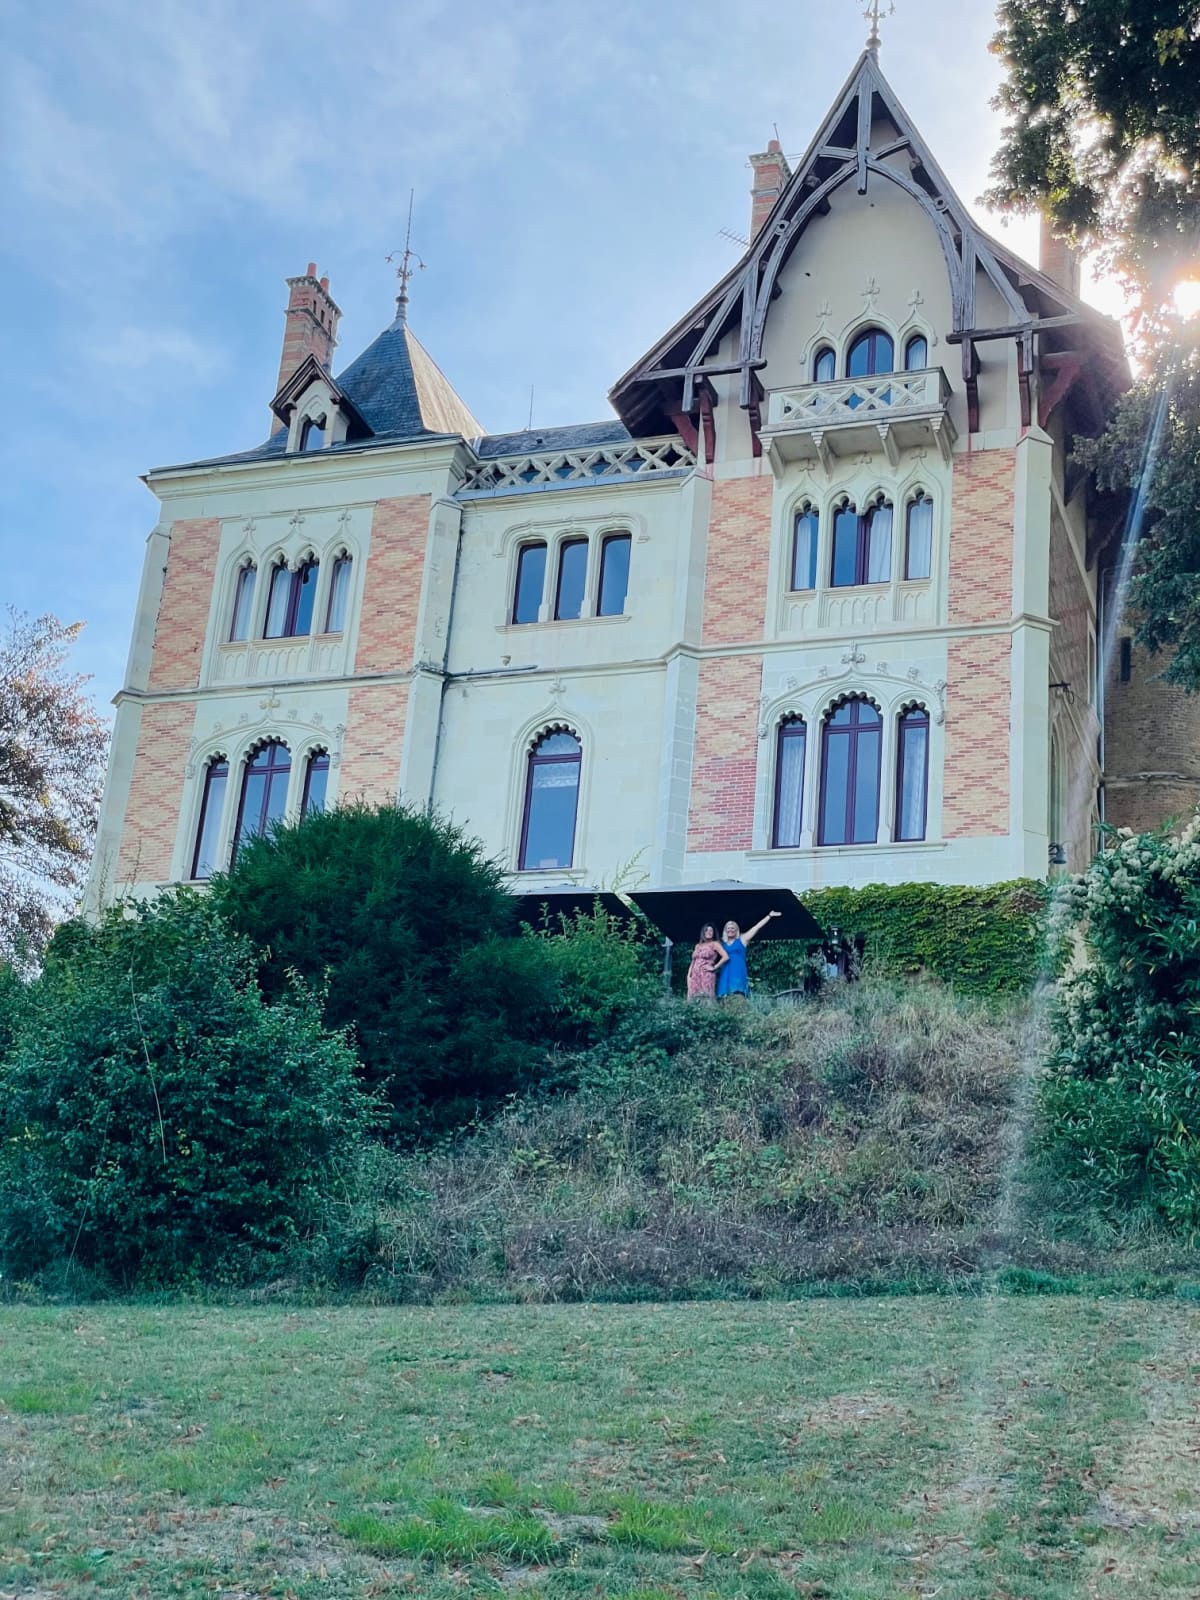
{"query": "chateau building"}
pixel 821 603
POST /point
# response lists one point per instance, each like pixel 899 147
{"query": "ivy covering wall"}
pixel 986 940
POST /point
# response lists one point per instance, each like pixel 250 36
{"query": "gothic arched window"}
pixel 804 549
pixel 862 545
pixel 916 353
pixel 264 791
pixel 912 773
pixel 851 749
pixel 824 365
pixel 243 603
pixel 316 782
pixel 551 802
pixel 290 601
pixel 871 353
pixel 789 784
pixel 208 827
pixel 339 592
pixel 918 536
pixel 312 434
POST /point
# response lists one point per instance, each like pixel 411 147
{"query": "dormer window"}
pixel 312 433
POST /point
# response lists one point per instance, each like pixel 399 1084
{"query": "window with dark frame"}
pixel 788 817
pixel 243 605
pixel 312 434
pixel 1126 658
pixel 862 546
pixel 824 365
pixel 290 601
pixel 918 537
pixel 871 353
pixel 571 584
pixel 551 802
pixel 316 782
pixel 531 582
pixel 804 549
pixel 916 353
pixel 851 752
pixel 263 800
pixel 339 592
pixel 912 775
pixel 208 827
pixel 613 588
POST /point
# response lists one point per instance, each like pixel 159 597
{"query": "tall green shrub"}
pixel 158 1120
pixel 1121 1102
pixel 407 926
pixel 985 940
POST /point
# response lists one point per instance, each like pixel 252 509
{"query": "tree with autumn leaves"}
pixel 1102 135
pixel 52 747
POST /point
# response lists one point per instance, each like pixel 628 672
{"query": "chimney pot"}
pixel 771 173
pixel 1058 259
pixel 325 284
pixel 312 269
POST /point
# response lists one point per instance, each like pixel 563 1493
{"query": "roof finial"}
pixel 873 13
pixel 405 270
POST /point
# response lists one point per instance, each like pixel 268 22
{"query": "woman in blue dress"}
pixel 733 978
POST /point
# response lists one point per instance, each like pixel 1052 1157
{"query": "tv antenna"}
pixel 404 271
pixel 734 238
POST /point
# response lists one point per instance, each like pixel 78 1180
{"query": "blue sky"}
pixel 164 167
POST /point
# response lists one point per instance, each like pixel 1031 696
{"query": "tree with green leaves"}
pixel 52 747
pixel 1102 135
pixel 406 926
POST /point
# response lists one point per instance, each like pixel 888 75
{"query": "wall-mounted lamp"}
pixel 1058 855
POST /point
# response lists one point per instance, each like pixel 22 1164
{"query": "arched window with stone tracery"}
pixel 851 752
pixel 551 807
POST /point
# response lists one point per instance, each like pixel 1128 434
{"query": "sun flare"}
pixel 1187 297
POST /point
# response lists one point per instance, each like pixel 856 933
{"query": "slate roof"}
pixel 536 441
pixel 397 389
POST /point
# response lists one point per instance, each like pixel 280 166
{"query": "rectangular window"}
pixel 306 585
pixel 208 831
pixel 912 776
pixel 316 782
pixel 290 602
pixel 243 605
pixel 339 591
pixel 804 551
pixel 844 568
pixel 277 603
pixel 918 542
pixel 878 539
pixel 531 581
pixel 572 580
pixel 789 785
pixel 1126 659
pixel 614 575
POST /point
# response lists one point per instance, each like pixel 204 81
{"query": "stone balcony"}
pixel 886 414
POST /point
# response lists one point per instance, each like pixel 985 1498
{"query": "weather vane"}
pixel 874 11
pixel 405 270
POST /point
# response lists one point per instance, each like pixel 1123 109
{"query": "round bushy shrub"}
pixel 1122 1098
pixel 406 925
pixel 159 1121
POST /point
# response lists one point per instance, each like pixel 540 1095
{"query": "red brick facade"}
pixel 311 325
pixel 978 700
pixel 387 630
pixel 981 536
pixel 155 793
pixel 739 554
pixel 183 610
pixel 370 767
pixel 721 815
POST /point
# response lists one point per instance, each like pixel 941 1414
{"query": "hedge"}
pixel 987 940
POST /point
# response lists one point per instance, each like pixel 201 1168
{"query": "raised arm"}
pixel 759 926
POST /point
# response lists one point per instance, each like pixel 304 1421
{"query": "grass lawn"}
pixel 1019 1449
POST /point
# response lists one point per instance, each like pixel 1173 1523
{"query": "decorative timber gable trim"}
pixel 672 382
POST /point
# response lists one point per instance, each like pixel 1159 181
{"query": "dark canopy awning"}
pixel 567 900
pixel 679 913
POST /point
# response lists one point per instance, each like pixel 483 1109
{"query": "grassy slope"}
pixel 964 1448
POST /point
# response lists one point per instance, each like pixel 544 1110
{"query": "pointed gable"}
pixel 867 139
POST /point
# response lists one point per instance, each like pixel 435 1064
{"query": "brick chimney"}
pixel 1058 260
pixel 311 325
pixel 771 173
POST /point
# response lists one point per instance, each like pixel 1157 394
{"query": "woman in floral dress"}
pixel 708 956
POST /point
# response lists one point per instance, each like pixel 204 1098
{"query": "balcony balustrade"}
pixel 888 413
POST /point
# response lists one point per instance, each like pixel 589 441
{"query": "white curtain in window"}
pixel 879 551
pixel 277 602
pixel 920 539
